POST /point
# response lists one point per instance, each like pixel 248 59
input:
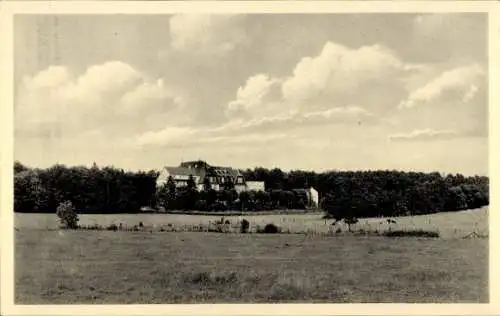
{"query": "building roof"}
pixel 182 171
pixel 226 172
pixel 187 169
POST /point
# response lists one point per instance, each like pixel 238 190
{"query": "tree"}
pixel 19 167
pixel 244 197
pixel 206 184
pixel 67 215
pixel 188 196
pixel 350 220
pixel 245 225
pixel 171 193
pixel 329 206
pixel 190 183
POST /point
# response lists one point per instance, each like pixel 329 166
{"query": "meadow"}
pixel 448 224
pixel 91 267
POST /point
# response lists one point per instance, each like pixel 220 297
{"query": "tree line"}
pixel 91 190
pixel 383 192
pixel 363 193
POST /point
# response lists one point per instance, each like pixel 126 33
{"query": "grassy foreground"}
pixel 57 267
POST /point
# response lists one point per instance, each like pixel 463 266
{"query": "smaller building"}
pixel 310 195
pixel 313 197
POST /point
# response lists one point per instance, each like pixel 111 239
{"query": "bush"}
pixel 112 227
pixel 270 229
pixel 67 215
pixel 245 225
pixel 211 278
pixel 411 233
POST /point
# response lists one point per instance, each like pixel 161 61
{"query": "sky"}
pixel 294 91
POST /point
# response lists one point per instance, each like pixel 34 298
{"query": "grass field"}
pixel 449 225
pixel 56 266
pixel 139 267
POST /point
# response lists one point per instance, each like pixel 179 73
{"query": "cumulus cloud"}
pixel 425 134
pixel 320 89
pixel 459 84
pixel 340 73
pixel 148 96
pixel 207 34
pixel 50 77
pixel 57 100
pixel 259 90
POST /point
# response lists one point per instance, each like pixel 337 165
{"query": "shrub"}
pixel 245 225
pixel 112 227
pixel 270 229
pixel 67 215
pixel 412 233
pixel 211 278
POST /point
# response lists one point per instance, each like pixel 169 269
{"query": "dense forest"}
pixel 363 193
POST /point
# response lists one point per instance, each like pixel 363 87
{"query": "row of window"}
pixel 212 179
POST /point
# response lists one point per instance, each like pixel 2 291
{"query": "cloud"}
pixel 459 85
pixel 425 135
pixel 148 96
pixel 214 35
pixel 349 115
pixel 167 136
pixel 241 131
pixel 321 88
pixel 340 73
pixel 259 90
pixel 50 77
pixel 56 102
pixel 184 137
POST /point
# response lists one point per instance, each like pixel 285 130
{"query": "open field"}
pixel 449 225
pixel 56 266
pixel 130 267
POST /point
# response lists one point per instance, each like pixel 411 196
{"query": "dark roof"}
pixel 195 164
pixel 181 171
pixel 227 171
pixel 185 170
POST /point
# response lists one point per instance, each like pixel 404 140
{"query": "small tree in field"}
pixel 245 225
pixel 340 209
pixel 350 220
pixel 331 209
pixel 67 215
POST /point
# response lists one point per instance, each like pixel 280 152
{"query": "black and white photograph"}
pixel 250 157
